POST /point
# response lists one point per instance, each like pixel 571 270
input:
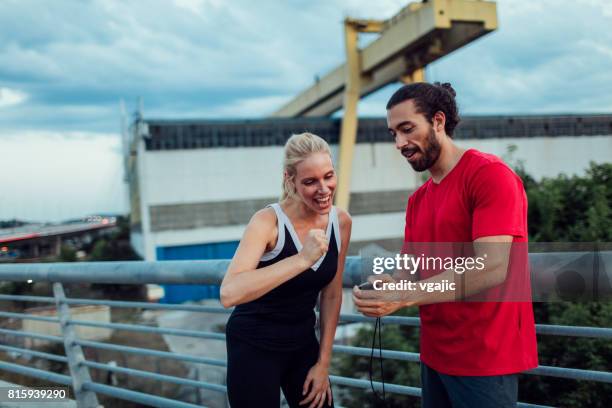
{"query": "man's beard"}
pixel 430 155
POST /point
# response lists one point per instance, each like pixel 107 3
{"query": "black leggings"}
pixel 255 376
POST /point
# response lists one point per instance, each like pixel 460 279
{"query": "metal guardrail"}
pixel 201 272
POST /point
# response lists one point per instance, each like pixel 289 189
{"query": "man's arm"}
pixel 495 251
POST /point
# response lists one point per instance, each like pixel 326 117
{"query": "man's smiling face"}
pixel 414 135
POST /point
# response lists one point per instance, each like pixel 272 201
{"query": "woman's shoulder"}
pixel 344 218
pixel 264 217
pixel 264 225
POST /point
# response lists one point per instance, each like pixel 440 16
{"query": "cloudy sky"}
pixel 65 65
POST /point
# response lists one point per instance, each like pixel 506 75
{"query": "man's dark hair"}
pixel 429 99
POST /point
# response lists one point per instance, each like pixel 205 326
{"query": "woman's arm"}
pixel 243 282
pixel 331 295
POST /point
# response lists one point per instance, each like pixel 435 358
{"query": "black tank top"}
pixel 284 318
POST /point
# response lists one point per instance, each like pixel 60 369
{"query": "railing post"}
pixel 78 371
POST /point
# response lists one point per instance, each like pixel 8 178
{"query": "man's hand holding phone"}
pixel 376 303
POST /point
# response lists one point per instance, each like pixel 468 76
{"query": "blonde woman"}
pixel 290 252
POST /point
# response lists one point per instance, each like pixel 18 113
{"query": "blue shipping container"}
pixel 183 293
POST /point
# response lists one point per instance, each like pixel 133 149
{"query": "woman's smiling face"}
pixel 315 182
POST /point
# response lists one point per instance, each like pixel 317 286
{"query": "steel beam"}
pixel 348 131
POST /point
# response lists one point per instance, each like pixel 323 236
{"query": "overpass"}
pixel 36 241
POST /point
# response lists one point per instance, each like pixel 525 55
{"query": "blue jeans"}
pixel 453 391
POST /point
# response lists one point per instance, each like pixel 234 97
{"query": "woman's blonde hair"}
pixel 298 148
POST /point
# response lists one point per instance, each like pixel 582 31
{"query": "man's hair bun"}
pixel 448 87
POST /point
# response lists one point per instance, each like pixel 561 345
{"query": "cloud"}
pixel 191 6
pixel 201 56
pixel 59 175
pixel 11 97
pixel 208 58
pixel 542 59
pixel 60 118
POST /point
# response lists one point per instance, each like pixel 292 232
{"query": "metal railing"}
pixel 195 272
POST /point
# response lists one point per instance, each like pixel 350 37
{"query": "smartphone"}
pixel 366 286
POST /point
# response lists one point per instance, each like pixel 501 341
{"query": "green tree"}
pixel 67 254
pixel 117 248
pixel 571 209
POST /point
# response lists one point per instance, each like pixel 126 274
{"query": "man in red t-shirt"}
pixel 476 337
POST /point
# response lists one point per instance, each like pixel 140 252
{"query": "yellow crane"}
pixel 418 35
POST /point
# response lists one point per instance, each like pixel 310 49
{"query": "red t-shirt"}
pixel 481 196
